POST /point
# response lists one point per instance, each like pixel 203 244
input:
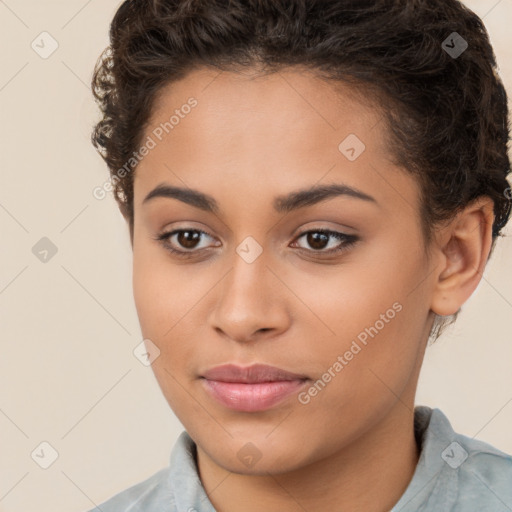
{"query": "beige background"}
pixel 68 327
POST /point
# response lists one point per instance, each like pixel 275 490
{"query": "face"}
pixel 330 286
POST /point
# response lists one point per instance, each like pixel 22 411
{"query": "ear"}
pixel 462 249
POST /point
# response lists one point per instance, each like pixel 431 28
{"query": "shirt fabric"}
pixel 455 473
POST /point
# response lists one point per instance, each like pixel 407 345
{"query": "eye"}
pixel 318 239
pixel 185 238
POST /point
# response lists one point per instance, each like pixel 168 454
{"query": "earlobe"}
pixel 463 249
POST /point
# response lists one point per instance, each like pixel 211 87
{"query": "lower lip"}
pixel 251 397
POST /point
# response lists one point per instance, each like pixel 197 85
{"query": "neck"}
pixel 370 474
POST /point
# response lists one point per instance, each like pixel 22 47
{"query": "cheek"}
pixel 372 316
pixel 340 304
pixel 166 297
pixel 162 303
pixel 147 293
pixel 163 292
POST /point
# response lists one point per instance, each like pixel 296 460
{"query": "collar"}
pixel 438 448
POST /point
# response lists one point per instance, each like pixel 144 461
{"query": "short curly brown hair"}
pixel 446 112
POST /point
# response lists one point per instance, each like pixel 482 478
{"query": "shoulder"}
pixel 484 473
pixel 151 495
pixel 472 474
pixel 175 487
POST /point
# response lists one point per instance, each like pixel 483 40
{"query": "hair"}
pixel 446 115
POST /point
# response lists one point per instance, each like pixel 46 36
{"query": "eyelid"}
pixel 346 241
pixel 166 235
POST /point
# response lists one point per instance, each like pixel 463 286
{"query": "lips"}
pixel 250 374
pixel 251 389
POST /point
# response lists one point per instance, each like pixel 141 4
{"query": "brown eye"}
pixel 188 239
pixel 319 239
pixel 185 241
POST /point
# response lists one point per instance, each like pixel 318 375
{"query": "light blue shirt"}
pixel 455 473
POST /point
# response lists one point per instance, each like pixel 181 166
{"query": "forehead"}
pixel 282 131
pixel 293 103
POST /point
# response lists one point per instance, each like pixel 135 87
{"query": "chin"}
pixel 256 454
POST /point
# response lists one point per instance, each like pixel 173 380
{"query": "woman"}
pixel 312 190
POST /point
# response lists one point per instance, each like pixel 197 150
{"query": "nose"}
pixel 251 303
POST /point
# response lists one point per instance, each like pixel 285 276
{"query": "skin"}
pixel 248 140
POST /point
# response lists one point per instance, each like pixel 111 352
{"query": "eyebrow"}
pixel 282 204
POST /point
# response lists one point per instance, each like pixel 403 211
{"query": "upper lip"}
pixel 250 374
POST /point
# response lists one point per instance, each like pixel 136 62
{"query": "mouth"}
pixel 254 374
pixel 251 389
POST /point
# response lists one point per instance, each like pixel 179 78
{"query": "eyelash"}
pixel 349 241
